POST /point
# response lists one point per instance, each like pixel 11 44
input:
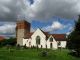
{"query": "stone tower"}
pixel 22 28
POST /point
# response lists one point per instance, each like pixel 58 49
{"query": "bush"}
pixel 41 46
pixel 43 53
pixel 25 47
pixel 33 47
pixel 37 47
pixel 10 41
pixel 8 46
pixel 78 52
pixel 18 46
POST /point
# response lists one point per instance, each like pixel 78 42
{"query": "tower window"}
pixel 38 40
pixel 51 39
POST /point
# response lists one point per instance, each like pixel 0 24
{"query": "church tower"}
pixel 22 28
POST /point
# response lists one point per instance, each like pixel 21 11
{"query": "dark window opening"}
pixel 51 39
pixel 50 45
pixel 38 40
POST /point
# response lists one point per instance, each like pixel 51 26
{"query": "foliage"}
pixel 74 38
pixel 37 47
pixel 44 53
pixel 33 47
pixel 25 46
pixel 10 41
pixel 18 47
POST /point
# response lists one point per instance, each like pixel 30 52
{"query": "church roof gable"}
pixel 57 37
pixel 39 30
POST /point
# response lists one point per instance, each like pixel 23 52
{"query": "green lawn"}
pixel 33 54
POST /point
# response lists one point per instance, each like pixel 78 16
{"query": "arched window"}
pixel 51 39
pixel 38 40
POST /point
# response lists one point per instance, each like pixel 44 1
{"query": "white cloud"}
pixel 7 28
pixel 55 26
pixel 68 33
pixel 70 30
pixel 45 9
pixel 58 26
pixel 10 9
pixel 40 9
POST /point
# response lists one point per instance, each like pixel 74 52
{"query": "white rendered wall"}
pixel 54 43
pixel 38 32
pixel 63 44
pixel 32 41
pixel 27 42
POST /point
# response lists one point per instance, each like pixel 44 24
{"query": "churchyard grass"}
pixel 34 54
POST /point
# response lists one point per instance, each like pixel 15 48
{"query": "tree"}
pixel 10 41
pixel 74 38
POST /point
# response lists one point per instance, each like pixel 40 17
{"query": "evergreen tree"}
pixel 74 38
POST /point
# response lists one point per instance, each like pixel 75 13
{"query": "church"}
pixel 38 38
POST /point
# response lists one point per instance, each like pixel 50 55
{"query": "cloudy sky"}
pixel 54 16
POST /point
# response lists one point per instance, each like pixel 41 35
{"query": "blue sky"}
pixel 67 22
pixel 54 16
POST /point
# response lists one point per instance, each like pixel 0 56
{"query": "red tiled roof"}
pixel 59 37
pixel 28 35
pixel 1 38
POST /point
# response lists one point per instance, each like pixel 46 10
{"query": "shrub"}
pixel 43 53
pixel 33 47
pixel 41 46
pixel 46 46
pixel 78 52
pixel 8 46
pixel 25 47
pixel 17 46
pixel 37 47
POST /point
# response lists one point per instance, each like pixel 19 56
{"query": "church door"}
pixel 51 45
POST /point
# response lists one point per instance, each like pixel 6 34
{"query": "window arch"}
pixel 38 40
pixel 51 39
